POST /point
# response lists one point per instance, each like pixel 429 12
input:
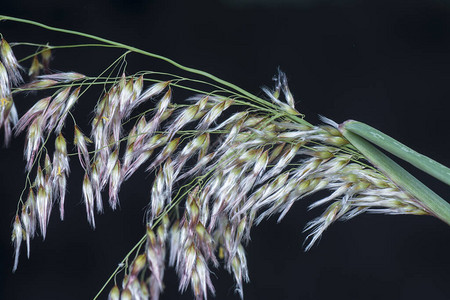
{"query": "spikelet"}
pixel 35 68
pixel 62 77
pixel 28 218
pixel 46 56
pixel 68 106
pixel 60 171
pixel 17 237
pixel 10 62
pixel 80 141
pixel 88 195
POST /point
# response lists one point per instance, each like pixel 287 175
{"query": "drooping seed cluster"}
pixel 232 170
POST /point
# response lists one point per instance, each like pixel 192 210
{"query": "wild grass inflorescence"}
pixel 223 161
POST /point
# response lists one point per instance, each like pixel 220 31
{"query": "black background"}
pixel 386 63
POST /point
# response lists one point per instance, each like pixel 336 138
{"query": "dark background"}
pixel 386 63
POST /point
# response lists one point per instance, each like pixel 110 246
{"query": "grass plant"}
pixel 222 161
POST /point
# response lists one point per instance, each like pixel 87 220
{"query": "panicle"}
pixel 244 166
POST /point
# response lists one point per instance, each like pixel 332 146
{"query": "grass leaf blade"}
pixel 432 202
pixel 400 150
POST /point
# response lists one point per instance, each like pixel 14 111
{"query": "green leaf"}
pixel 429 200
pixel 400 150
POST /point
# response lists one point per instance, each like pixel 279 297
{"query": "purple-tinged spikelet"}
pixel 10 62
pixel 88 195
pixel 17 240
